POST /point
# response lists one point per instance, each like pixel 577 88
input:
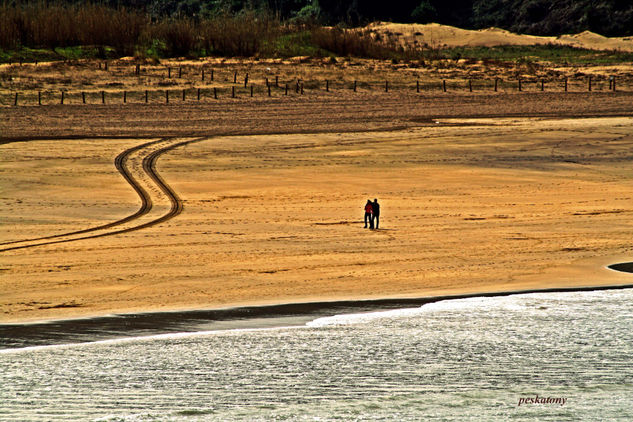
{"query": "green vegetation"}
pixel 72 30
pixel 538 53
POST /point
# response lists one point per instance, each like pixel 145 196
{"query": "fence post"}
pixel 327 86
pixel 519 84
pixel 277 81
pixel 386 86
pixel 166 96
pixel 542 84
pixel 138 69
pixel 233 92
pixel 235 77
pixel 215 93
pixel 251 90
pixel 470 85
pixel 168 72
pixel 267 84
pixel 203 74
pixel 105 64
pixel 269 90
pixel 198 94
pixel 417 86
pixel 146 95
pixel 124 97
pixel 297 87
pixel 15 102
pixel 444 84
pixel 83 97
pixel 179 71
pixel 354 86
pixel 496 83
pixel 246 80
pixel 62 101
pixel 286 90
pixel 39 97
pixel 589 84
pixel 565 84
pixel 102 97
pixel 183 95
pixel 614 84
pixel 212 75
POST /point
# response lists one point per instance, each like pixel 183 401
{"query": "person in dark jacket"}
pixel 368 214
pixel 375 212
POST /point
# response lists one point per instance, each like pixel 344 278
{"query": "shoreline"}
pixel 153 323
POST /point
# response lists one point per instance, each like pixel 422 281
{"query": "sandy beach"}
pixel 262 203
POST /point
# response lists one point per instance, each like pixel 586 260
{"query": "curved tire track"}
pixel 149 167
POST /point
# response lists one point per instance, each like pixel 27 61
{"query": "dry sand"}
pixel 272 196
pixel 437 36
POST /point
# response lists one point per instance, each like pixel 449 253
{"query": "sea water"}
pixel 546 357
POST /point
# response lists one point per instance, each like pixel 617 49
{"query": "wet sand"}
pixel 470 205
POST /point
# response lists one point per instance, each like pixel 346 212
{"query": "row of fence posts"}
pixel 299 89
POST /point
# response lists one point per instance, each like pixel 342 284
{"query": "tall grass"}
pixel 363 43
pixel 43 25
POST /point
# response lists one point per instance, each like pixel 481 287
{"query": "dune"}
pixel 436 36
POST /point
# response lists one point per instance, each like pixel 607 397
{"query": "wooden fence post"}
pixel 166 96
pixel 105 64
pixel 215 93
pixel 496 83
pixel 542 85
pixel 589 84
pixel 235 77
pixel 286 90
pixel 354 86
pixel 179 72
pixel 102 97
pixel 519 84
pixel 203 74
pixel 138 69
pixel 83 97
pixel 386 86
pixel 183 95
pixel 62 100
pixel 168 72
pixel 146 96
pixel 211 75
pixel 198 94
pixel 614 84
pixel 269 90
pixel 39 97
pixel 246 80
pixel 327 86
pixel 233 92
pixel 277 81
pixel 470 85
pixel 15 102
pixel 444 85
pixel 251 90
pixel 417 86
pixel 565 84
pixel 124 97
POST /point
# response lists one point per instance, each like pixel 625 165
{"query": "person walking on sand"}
pixel 368 214
pixel 375 212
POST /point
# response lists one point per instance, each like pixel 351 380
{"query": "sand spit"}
pixel 470 205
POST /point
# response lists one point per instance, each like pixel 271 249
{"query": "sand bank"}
pixel 469 206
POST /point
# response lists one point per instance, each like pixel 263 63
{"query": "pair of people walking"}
pixel 372 214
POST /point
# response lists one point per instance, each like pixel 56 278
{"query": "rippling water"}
pixel 467 359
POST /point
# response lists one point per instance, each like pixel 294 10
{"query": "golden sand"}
pixel 468 205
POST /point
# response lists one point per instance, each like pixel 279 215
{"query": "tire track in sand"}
pixel 120 162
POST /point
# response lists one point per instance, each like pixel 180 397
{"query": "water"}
pixel 466 359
